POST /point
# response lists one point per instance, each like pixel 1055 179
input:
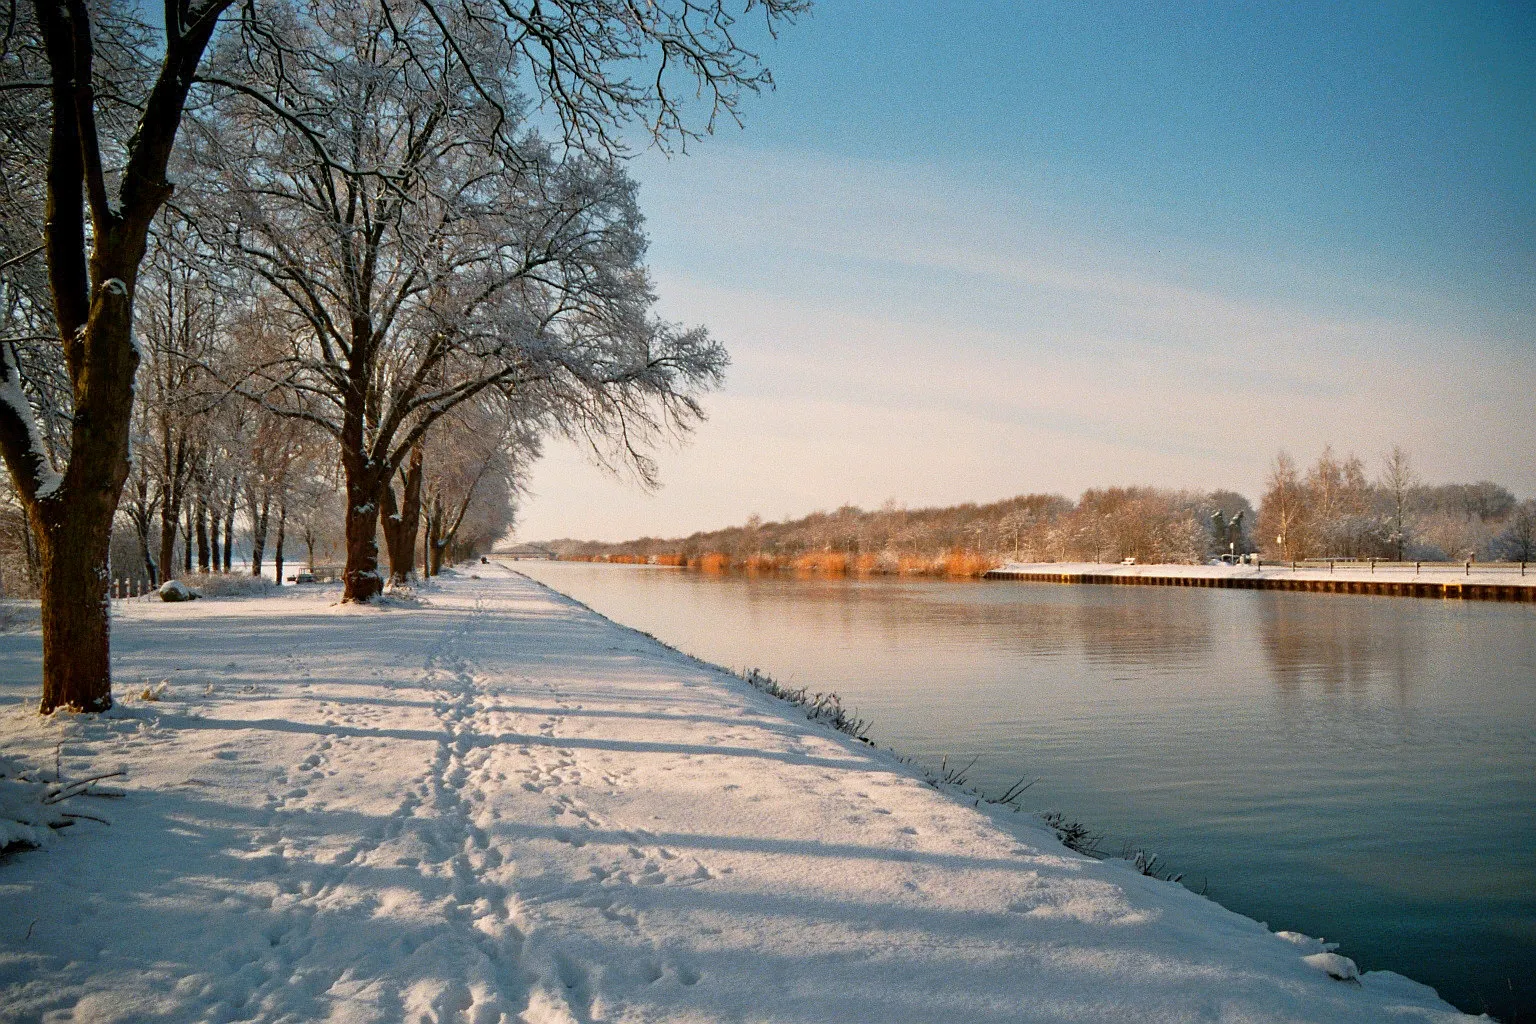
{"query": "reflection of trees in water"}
pixel 1339 643
pixel 1108 626
pixel 1115 627
pixel 1133 627
pixel 1331 643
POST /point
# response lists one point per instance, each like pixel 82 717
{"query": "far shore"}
pixel 1510 581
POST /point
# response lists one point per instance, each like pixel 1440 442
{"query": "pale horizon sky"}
pixel 965 254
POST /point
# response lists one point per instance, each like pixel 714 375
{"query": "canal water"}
pixel 1357 768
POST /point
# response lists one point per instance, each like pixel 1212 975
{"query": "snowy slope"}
pixel 498 805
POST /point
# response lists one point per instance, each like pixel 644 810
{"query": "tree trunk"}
pixel 71 515
pixel 389 525
pixel 444 542
pixel 200 517
pixel 439 517
pixel 277 552
pixel 141 531
pixel 366 476
pixel 229 528
pixel 213 539
pixel 186 543
pixel 259 511
pixel 403 522
pixel 170 514
pixel 34 560
pixel 426 548
pixel 77 671
pixel 360 581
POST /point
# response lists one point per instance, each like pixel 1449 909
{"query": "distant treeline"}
pixel 1332 509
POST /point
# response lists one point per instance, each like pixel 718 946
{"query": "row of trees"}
pixel 394 222
pixel 1337 509
pixel 1146 523
pixel 1333 509
pixel 208 479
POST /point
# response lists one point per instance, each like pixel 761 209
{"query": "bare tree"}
pixel 1397 483
pixel 1519 540
pixel 425 253
pixel 1284 513
pixel 107 109
pixel 474 462
pixel 79 73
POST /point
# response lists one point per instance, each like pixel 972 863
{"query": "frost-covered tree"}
pixel 1518 542
pixel 473 470
pixel 91 102
pixel 182 321
pixel 84 76
pixel 1339 500
pixel 1284 512
pixel 1396 485
pixel 426 248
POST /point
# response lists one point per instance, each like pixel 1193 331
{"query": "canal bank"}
pixel 1357 769
pixel 1509 583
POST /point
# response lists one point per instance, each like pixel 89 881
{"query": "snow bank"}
pixel 232 584
pixel 175 591
pixel 502 807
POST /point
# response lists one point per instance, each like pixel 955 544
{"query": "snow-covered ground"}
pixel 497 805
pixel 1431 572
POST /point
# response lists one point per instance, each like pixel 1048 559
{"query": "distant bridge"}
pixel 527 551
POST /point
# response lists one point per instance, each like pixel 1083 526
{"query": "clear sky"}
pixel 970 250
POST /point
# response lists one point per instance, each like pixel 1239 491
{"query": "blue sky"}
pixel 968 250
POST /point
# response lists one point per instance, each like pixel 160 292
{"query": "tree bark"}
pixel 34 560
pixel 173 473
pixel 277 552
pixel 260 510
pixel 360 580
pixel 77 671
pixel 200 517
pixel 402 522
pixel 71 515
pixel 367 475
pixel 213 538
pixel 434 512
pixel 229 528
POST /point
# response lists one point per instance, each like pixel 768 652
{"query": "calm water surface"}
pixel 1357 768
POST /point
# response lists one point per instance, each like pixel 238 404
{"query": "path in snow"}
pixel 500 806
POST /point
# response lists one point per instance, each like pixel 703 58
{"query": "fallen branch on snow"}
pixel 29 810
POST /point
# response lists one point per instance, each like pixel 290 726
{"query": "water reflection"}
pixel 1125 631
pixel 1336 648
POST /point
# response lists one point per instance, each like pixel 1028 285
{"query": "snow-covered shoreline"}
pixel 498 805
